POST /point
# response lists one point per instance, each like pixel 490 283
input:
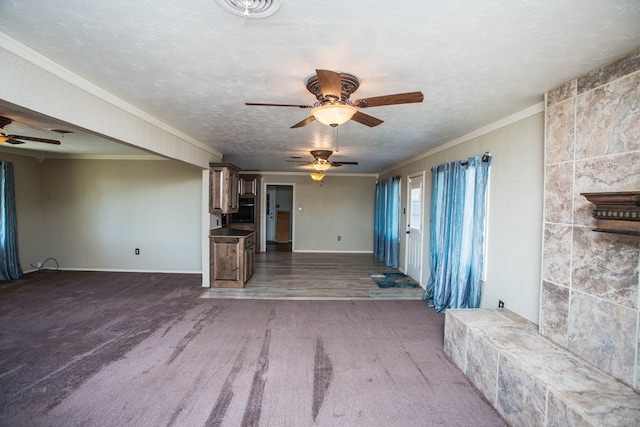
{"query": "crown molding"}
pixel 270 173
pixel 516 117
pixel 12 45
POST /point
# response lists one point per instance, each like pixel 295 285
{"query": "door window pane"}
pixel 416 206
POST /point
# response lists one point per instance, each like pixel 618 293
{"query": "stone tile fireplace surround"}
pixel 581 364
pixel 589 295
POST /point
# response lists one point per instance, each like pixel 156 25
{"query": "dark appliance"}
pixel 246 211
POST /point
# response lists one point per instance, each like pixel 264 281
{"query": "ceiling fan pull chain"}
pixel 335 132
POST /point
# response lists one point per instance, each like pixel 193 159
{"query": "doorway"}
pixel 415 207
pixel 279 218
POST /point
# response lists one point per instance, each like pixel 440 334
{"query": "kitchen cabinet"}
pixel 232 257
pixel 248 215
pixel 249 185
pixel 224 182
pixel 249 257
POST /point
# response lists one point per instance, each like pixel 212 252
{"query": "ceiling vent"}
pixel 250 8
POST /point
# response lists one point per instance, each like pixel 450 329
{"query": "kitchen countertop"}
pixel 229 232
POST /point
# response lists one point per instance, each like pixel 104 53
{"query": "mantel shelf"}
pixel 616 212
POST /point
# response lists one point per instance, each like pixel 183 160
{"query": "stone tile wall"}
pixel 590 280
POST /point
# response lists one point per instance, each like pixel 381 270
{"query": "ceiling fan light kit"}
pixel 320 165
pixel 316 176
pixel 333 114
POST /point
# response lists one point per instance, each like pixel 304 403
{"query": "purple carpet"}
pixel 123 349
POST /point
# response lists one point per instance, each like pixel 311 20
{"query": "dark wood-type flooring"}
pixel 318 276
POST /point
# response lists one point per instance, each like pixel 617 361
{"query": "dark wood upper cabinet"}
pixel 224 182
pixel 249 185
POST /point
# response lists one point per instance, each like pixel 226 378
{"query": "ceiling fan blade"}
pixel 399 98
pixel 298 161
pixel 33 138
pixel 366 119
pixel 343 163
pixel 14 141
pixel 330 84
pixel 277 105
pixel 304 122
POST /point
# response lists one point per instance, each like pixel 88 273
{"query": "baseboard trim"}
pixel 116 270
pixel 333 252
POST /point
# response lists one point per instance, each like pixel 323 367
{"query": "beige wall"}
pixel 590 280
pixel 28 187
pixel 514 210
pixel 340 206
pixel 92 214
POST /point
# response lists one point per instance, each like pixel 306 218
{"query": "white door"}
pixel 270 217
pixel 414 227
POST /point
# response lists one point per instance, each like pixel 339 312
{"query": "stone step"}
pixel 530 380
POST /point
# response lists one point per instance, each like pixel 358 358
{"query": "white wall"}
pixel 515 211
pixel 92 214
pixel 340 206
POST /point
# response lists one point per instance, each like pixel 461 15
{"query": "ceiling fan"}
pixel 321 161
pixel 333 108
pixel 19 139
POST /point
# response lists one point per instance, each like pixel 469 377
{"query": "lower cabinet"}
pixel 249 227
pixel 232 260
pixel 249 258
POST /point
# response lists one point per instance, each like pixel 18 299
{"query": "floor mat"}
pixel 393 280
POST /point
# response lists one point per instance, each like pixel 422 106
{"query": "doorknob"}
pixel 408 232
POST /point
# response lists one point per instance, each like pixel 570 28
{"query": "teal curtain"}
pixel 9 262
pixel 457 219
pixel 386 242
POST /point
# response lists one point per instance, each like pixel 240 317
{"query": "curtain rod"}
pixel 392 178
pixel 485 159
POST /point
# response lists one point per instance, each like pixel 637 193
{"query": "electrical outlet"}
pixel 339 238
pixel 500 304
pixel 137 251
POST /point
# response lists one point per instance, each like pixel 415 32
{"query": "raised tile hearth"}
pixel 530 380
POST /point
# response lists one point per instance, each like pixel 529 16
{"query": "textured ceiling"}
pixel 192 65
